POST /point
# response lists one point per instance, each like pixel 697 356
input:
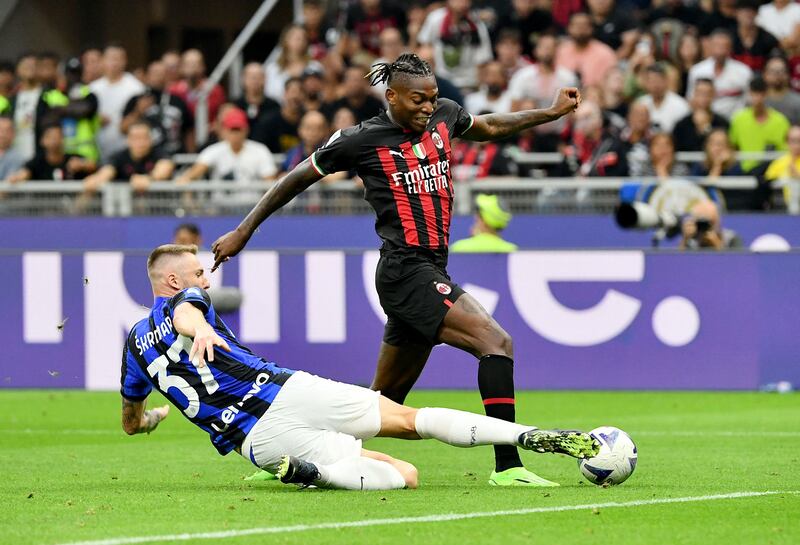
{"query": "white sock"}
pixel 360 473
pixel 463 429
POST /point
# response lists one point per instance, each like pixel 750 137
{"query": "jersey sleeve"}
pixel 457 117
pixel 197 297
pixel 134 384
pixel 339 152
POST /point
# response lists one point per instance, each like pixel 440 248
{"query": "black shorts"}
pixel 415 293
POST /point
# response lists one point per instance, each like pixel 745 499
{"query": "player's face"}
pixel 412 102
pixel 192 274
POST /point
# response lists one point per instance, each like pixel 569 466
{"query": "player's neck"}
pixel 162 294
pixel 394 122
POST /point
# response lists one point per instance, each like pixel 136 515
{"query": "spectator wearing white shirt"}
pixel 493 94
pixel 508 50
pixel 235 157
pixel 540 81
pixel 666 108
pixel 10 159
pixel 731 78
pixel 25 105
pixel 781 19
pixel 460 42
pixel 113 91
pixel 293 58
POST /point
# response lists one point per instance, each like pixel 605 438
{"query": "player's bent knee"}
pixel 498 342
pixel 409 472
pixel 507 344
pixel 397 420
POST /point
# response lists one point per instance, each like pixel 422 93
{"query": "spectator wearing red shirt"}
pixel 593 150
pixel 563 10
pixel 752 45
pixel 316 30
pixel 366 19
pixel 193 70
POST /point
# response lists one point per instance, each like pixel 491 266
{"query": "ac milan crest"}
pixel 443 288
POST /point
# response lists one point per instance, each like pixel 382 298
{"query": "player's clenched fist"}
pixel 566 101
pixel 227 246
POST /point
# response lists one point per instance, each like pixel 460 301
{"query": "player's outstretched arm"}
pixel 497 126
pixel 190 322
pixel 136 420
pixel 298 180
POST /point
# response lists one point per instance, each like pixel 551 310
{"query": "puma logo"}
pixel 392 152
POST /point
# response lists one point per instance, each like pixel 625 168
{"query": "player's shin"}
pixel 464 429
pixel 360 473
pixel 496 384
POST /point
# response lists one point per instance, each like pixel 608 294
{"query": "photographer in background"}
pixel 702 229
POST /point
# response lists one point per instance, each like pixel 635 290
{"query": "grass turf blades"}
pixel 70 474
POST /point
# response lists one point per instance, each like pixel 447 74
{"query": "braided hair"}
pixel 407 64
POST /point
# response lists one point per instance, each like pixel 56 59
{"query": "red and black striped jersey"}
pixel 406 174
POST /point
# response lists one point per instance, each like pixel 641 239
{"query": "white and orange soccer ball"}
pixel 616 460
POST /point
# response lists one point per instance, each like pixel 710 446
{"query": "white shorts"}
pixel 315 419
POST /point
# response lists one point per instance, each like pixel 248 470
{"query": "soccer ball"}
pixel 616 460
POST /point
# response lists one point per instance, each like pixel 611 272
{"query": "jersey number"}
pixel 165 382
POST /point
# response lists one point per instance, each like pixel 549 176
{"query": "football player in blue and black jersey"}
pixel 305 429
pixel 403 155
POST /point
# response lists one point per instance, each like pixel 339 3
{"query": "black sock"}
pixel 496 384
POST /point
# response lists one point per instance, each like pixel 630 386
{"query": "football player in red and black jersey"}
pixel 403 156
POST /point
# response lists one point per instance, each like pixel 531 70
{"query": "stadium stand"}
pixel 694 67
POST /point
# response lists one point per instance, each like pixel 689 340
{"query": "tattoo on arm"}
pixel 286 189
pixel 135 419
pixel 498 125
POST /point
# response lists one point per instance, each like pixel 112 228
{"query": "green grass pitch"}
pixel 69 474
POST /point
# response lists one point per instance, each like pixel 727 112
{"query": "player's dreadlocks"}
pixel 407 64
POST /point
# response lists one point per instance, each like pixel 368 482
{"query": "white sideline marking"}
pixel 634 434
pixel 428 518
pixel 719 433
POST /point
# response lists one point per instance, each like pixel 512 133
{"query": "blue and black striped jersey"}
pixel 225 398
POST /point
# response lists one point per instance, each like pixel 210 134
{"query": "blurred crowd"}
pixel 657 77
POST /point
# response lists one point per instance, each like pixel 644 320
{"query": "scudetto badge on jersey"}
pixel 419 150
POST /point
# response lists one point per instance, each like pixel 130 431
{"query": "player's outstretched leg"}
pixel 371 471
pixel 465 429
pixel 573 443
pixel 468 326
